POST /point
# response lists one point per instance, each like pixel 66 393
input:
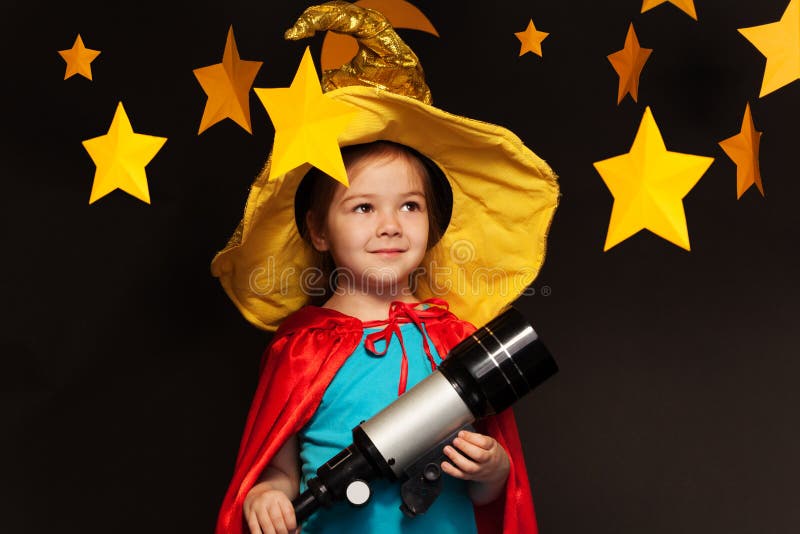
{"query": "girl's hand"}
pixel 269 511
pixel 483 461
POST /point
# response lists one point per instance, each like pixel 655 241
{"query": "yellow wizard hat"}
pixel 504 196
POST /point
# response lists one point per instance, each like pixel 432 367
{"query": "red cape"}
pixel 305 354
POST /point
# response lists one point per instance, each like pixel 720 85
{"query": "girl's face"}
pixel 377 229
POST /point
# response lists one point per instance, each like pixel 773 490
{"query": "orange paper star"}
pixel 307 124
pixel 780 43
pixel 121 156
pixel 227 85
pixel 531 39
pixel 648 185
pixel 742 148
pixel 687 6
pixel 628 63
pixel 79 59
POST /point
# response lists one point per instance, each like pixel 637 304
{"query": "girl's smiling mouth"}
pixel 388 251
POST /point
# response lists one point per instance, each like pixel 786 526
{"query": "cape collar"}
pixel 316 318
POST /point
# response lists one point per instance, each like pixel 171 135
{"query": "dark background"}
pixel 126 371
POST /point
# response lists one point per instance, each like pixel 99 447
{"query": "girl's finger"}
pixel 476 453
pixel 264 521
pixel 467 466
pixel 481 440
pixel 448 468
pixel 288 515
pixel 276 515
pixel 252 524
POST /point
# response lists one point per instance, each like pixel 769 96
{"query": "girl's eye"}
pixel 363 208
pixel 411 206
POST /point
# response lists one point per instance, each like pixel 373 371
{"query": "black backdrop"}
pixel 126 371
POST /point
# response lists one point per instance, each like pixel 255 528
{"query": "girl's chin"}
pixel 376 286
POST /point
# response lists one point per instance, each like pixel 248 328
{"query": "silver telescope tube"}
pixel 425 414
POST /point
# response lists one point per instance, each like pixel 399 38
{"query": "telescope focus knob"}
pixel 358 492
pixel 432 473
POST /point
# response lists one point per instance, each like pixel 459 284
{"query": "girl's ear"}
pixel 318 238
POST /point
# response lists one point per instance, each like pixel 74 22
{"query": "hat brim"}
pixel 504 198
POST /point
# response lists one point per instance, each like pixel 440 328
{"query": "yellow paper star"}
pixel 687 6
pixel 531 39
pixel 79 59
pixel 780 43
pixel 227 85
pixel 648 184
pixel 120 157
pixel 742 148
pixel 307 124
pixel 628 63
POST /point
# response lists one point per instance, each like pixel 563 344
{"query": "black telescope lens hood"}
pixel 498 364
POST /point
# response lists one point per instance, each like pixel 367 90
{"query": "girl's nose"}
pixel 389 224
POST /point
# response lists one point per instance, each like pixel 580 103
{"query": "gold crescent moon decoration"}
pixel 338 49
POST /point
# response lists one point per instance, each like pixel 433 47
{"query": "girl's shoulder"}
pixel 448 330
pixel 317 319
pixel 312 335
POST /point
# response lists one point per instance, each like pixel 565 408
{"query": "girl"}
pixel 467 221
pixel 377 232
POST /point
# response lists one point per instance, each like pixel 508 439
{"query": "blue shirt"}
pixel 364 385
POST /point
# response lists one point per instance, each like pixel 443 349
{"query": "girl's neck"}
pixel 365 306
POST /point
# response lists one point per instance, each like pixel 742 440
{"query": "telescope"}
pixel 483 375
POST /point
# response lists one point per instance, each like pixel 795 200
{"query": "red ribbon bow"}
pixel 401 313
